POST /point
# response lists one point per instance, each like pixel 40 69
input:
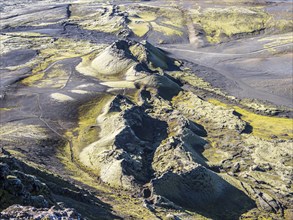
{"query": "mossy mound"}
pixel 122 58
pixel 114 60
pixel 162 149
pixel 120 158
pixel 203 191
pixel 130 65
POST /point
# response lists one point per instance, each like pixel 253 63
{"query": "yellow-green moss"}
pixel 32 79
pixel 271 42
pixel 148 16
pixel 98 20
pixel 88 113
pixel 69 48
pixel 13 133
pixel 215 156
pixel 7 108
pixel 139 29
pixel 172 16
pixel 60 49
pixel 64 48
pixel 194 80
pixel 263 126
pixel 169 22
pixel 166 30
pixel 282 25
pixel 59 97
pixel 108 27
pixel 230 21
pixel 288 214
pixel 84 134
pixel 120 84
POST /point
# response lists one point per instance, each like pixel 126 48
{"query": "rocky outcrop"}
pixel 17 187
pixel 121 158
pixel 196 108
pixel 24 196
pixel 29 212
pixel 160 151
pixel 161 85
pixel 29 193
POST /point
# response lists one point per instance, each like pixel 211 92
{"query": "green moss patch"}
pixel 263 126
pixel 166 30
pixel 139 28
pixel 218 22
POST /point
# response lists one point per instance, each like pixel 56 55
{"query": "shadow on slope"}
pixel 204 192
pixel 20 184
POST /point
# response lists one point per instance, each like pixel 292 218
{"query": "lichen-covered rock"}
pixel 272 166
pixel 17 187
pixel 181 151
pixel 194 107
pixel 196 187
pixel 29 212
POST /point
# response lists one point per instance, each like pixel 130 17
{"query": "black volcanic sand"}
pixel 17 57
pixel 254 73
pixel 33 106
pixel 243 66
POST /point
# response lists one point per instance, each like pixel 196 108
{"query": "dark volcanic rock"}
pixel 42 195
pixel 17 187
